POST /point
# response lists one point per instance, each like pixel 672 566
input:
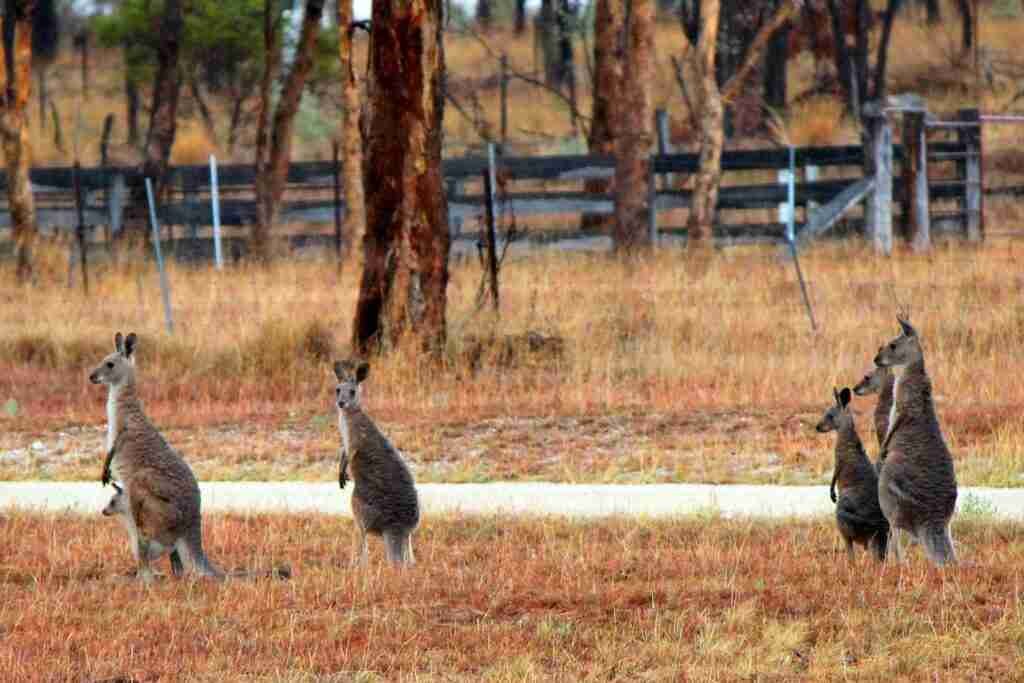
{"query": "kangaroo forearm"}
pixel 832 486
pixel 105 474
pixel 343 470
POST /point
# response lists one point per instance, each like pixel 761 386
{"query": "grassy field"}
pixel 501 600
pixel 663 373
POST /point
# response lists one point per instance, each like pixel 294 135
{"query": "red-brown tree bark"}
pixel 16 80
pixel 405 246
pixel 609 24
pixel 634 138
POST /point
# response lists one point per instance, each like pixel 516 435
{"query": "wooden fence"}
pixel 946 172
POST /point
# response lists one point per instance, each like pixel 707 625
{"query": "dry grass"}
pixel 666 374
pixel 496 599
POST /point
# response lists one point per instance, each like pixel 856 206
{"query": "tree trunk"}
pixel 520 17
pixel 16 79
pixel 712 121
pixel 966 25
pixel 860 56
pixel 775 79
pixel 634 137
pixel 934 10
pixel 844 61
pixel 131 92
pixel 204 109
pixel 709 172
pixel 609 24
pixel 484 14
pixel 166 90
pixel 882 61
pixel 405 246
pixel 273 166
pixel 351 135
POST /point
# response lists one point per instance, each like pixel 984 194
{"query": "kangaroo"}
pixel 118 507
pixel 384 501
pixel 160 490
pixel 917 487
pixel 879 381
pixel 858 515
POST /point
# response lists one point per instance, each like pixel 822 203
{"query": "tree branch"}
pixel 757 48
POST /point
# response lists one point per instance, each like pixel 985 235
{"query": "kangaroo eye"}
pixel 337 391
pixel 351 393
pixel 110 364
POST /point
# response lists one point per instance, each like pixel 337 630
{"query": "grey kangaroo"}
pixel 879 381
pixel 384 501
pixel 118 507
pixel 858 515
pixel 160 491
pixel 917 488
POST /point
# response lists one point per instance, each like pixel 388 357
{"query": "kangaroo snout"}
pixel 822 427
pixel 94 378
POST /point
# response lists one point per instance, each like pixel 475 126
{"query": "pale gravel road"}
pixel 571 500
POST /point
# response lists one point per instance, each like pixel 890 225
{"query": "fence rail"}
pixel 311 195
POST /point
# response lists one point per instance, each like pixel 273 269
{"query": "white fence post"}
pixel 218 253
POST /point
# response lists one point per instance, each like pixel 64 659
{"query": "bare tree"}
pixel 712 115
pixel 272 159
pixel 609 24
pixel 402 293
pixel 166 89
pixel 484 13
pixel 16 78
pixel 520 17
pixel 634 137
pixel 351 137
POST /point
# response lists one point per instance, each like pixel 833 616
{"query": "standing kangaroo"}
pixel 917 487
pixel 384 501
pixel 858 515
pixel 118 507
pixel 160 491
pixel 879 381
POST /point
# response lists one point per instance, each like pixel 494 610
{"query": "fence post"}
pixel 82 245
pixel 974 220
pixel 878 155
pixel 218 252
pixel 165 290
pixel 916 217
pixel 490 188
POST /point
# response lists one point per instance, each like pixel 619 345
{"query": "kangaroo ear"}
pixel 362 371
pixel 835 394
pixel 844 397
pixel 116 487
pixel 130 344
pixel 119 343
pixel 339 370
pixel 908 329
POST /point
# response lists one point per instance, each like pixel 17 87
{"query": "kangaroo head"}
pixel 873 382
pixel 838 415
pixel 903 350
pixel 118 505
pixel 118 368
pixel 350 374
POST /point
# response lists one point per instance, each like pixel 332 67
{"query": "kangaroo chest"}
pixel 895 399
pixel 346 434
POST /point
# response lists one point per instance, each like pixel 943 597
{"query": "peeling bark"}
pixel 16 78
pixel 405 246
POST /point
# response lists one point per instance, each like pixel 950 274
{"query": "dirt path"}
pixel 574 500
